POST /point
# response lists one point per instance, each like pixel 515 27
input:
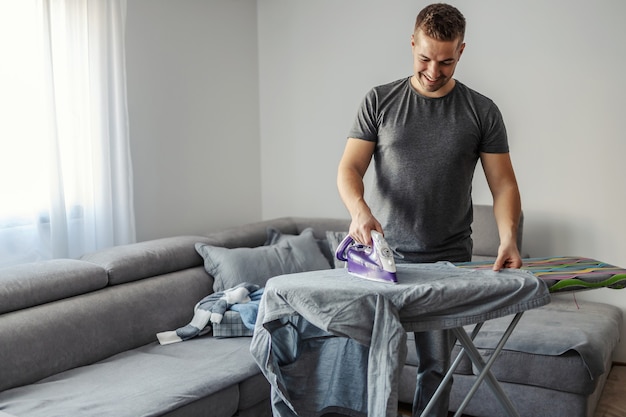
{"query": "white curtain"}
pixel 65 167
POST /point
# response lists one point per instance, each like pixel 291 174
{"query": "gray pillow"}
pixel 274 236
pixel 334 239
pixel 231 267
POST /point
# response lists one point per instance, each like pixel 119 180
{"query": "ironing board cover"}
pixel 568 273
pixel 308 320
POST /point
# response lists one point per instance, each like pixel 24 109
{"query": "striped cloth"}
pixel 568 273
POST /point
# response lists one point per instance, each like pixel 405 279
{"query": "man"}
pixel 425 134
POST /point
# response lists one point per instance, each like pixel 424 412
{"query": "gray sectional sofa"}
pixel 78 337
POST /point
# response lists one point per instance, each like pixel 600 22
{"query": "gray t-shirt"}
pixel 425 157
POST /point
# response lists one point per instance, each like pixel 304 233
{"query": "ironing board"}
pixel 568 273
pixel 561 274
pixel 377 316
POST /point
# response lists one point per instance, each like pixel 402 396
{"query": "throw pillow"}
pixel 274 236
pixel 334 239
pixel 230 267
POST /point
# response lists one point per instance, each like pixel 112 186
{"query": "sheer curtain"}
pixel 65 167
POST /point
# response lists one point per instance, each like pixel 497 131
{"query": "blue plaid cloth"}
pixel 231 326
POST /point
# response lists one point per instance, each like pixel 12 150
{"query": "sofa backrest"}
pixel 485 233
pixel 35 283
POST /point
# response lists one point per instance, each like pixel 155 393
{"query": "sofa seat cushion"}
pixel 148 381
pixel 530 401
pixel 559 346
pixel 566 372
pixel 565 344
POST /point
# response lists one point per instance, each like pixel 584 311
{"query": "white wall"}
pixel 206 155
pixel 553 67
pixel 192 69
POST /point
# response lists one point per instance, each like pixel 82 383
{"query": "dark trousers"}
pixel 433 352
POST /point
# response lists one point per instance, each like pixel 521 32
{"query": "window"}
pixel 65 170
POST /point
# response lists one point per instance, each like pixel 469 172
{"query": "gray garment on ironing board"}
pixel 425 156
pixel 330 342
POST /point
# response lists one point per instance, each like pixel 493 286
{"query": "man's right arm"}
pixel 352 167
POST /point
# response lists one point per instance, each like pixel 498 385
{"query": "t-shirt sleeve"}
pixel 494 138
pixel 366 122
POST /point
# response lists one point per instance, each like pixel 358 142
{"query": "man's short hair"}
pixel 442 22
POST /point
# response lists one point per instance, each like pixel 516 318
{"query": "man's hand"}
pixel 508 257
pixel 361 227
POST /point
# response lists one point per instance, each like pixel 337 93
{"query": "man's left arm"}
pixel 506 206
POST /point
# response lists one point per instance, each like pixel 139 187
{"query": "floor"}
pixel 611 404
pixel 613 401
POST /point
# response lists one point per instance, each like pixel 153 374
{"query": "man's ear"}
pixel 461 49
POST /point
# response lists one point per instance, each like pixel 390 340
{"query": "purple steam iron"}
pixel 374 262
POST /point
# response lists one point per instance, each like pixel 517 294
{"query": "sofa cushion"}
pixel 334 238
pixel 231 267
pixel 274 236
pixel 219 404
pixel 253 391
pixel 560 346
pixel 567 344
pixel 250 235
pixel 530 401
pixel 36 283
pixel 150 380
pixel 141 260
pixel 565 372
pixel 47 339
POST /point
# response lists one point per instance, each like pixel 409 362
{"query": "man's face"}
pixel 434 63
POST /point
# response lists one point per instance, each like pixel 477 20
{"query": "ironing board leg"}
pixel 449 374
pixel 484 368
